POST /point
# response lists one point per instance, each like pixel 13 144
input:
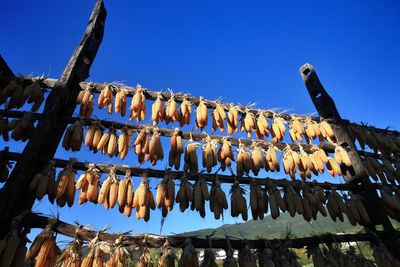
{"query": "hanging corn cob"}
pixel 142 142
pixel 99 249
pixel 341 156
pixel 138 106
pixel 201 114
pixel 66 185
pixel 125 194
pixel 176 150
pixel 243 161
pixel 44 183
pixel 218 117
pixel 327 132
pixel 157 110
pixel 185 111
pixel 256 201
pixel 168 257
pixel 88 183
pixel 145 259
pixel 191 159
pixel 332 167
pixel 108 195
pixel 171 110
pixel 312 130
pixel 225 154
pixel 120 102
pixel 271 159
pixel 71 256
pixel 143 200
pixel 209 153
pixel 121 255
pixel 106 98
pixel 278 129
pixel 73 137
pixel 124 143
pixel 21 128
pixel 264 256
pixel 209 257
pixel 200 195
pixel 296 129
pixel 218 201
pixel 335 205
pixel 19 94
pixel 229 260
pixel 316 255
pixel 257 160
pixel 13 244
pixel 47 252
pixel 276 201
pixel 262 125
pixel 185 194
pixel 233 119
pixel 238 201
pixel 291 161
pixel 165 196
pixel 246 257
pixel 189 255
pixel 289 199
pixel 248 122
pixel 155 148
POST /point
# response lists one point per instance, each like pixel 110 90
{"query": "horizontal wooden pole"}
pixel 328 148
pixel 229 179
pixel 32 220
pixel 152 95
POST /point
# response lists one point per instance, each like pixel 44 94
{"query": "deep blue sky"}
pixel 244 51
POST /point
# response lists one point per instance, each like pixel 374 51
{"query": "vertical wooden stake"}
pixel 41 147
pixel 356 177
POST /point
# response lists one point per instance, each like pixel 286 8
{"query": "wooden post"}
pixel 41 147
pixel 356 177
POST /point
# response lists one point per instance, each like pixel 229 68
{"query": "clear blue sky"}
pixel 244 51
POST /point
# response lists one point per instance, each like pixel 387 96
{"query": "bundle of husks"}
pixel 174 158
pixel 143 200
pixel 21 128
pixel 189 256
pixel 138 106
pixel 71 256
pixel 97 251
pixel 165 196
pixel 238 201
pixel 88 183
pixel 121 255
pixel 145 259
pixel 200 195
pixel 66 185
pixel 218 201
pixel 167 256
pixel 108 194
pixel 19 94
pixel 44 183
pixel 185 194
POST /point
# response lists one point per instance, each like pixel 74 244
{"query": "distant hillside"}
pixel 269 228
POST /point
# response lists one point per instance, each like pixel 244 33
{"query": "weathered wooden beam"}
pixel 356 176
pixel 41 147
pixel 155 241
pixel 229 179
